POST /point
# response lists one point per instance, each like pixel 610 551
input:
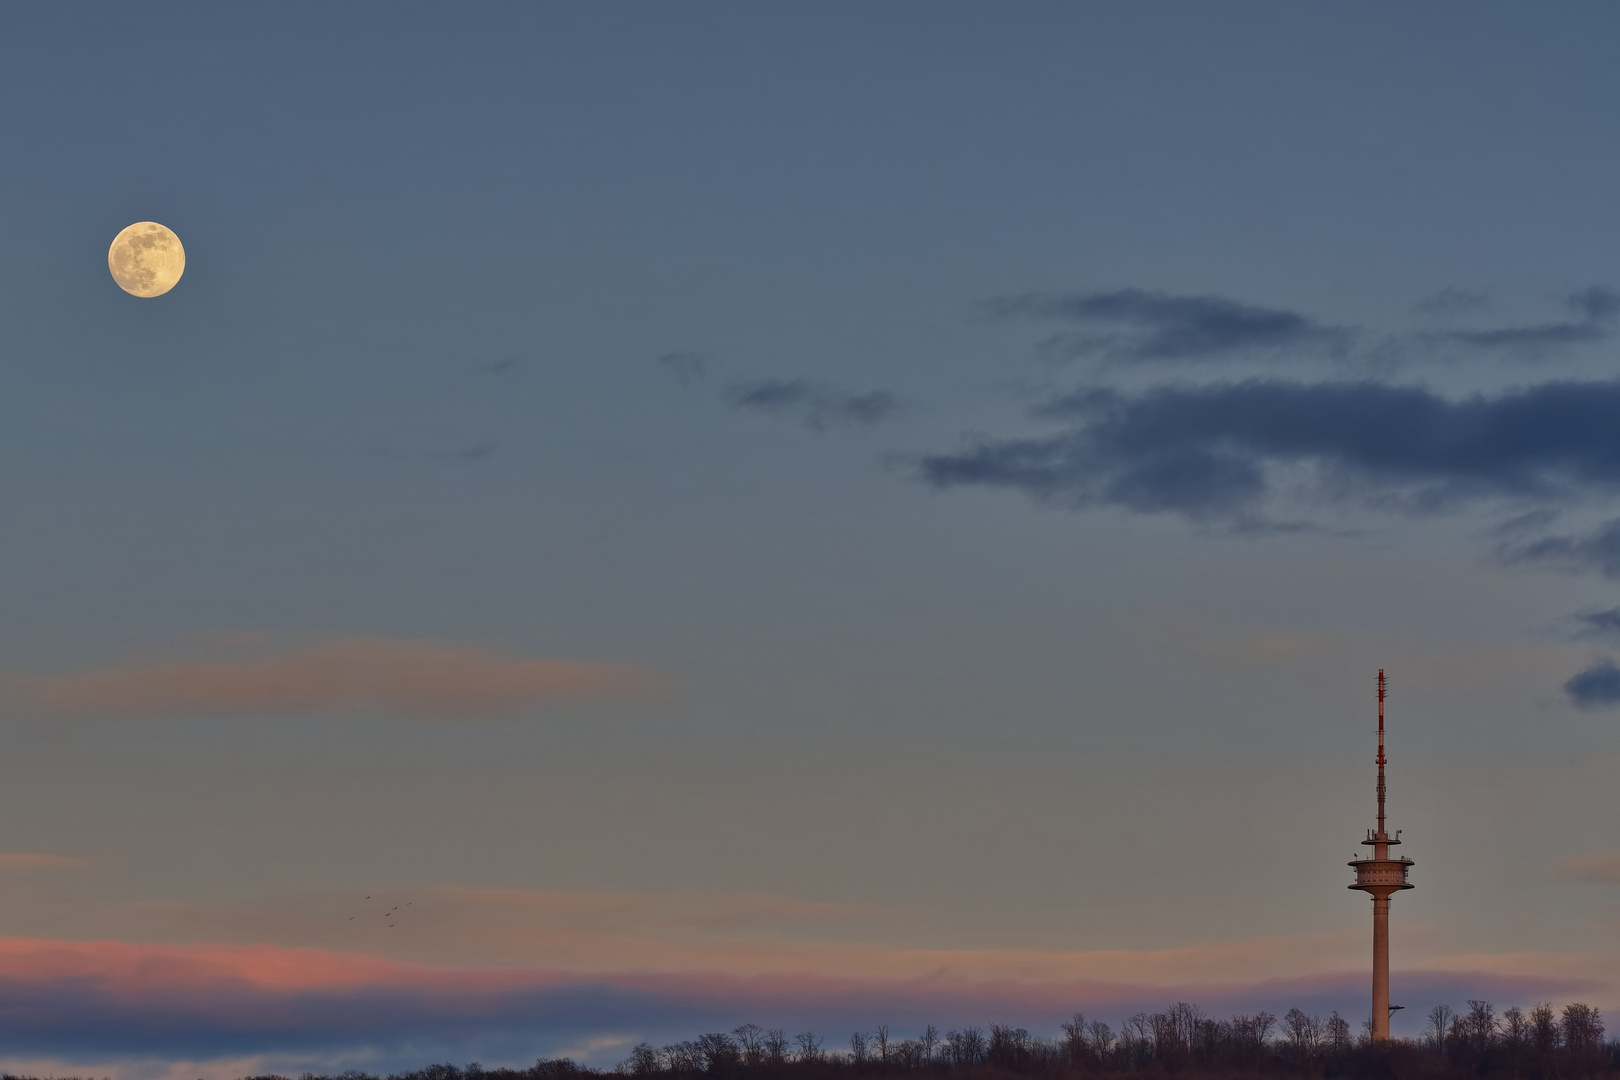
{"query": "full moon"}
pixel 146 259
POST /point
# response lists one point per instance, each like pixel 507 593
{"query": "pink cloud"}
pixel 137 969
pixel 109 998
pixel 1601 866
pixel 141 969
pixel 37 860
pixel 744 936
pixel 736 934
pixel 416 678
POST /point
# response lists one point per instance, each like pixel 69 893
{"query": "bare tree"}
pixel 643 1061
pixel 965 1047
pixel 1177 1028
pixel 1260 1025
pixel 775 1047
pixel 1136 1039
pixel 1457 1034
pixel 1440 1019
pixel 683 1057
pixel 880 1041
pixel 1480 1025
pixel 1544 1027
pixel 751 1040
pixel 720 1054
pixel 857 1048
pixel 930 1042
pixel 1515 1028
pixel 1303 1031
pixel 1074 1039
pixel 1338 1032
pixel 809 1046
pixel 1582 1028
pixel 909 1054
pixel 1009 1047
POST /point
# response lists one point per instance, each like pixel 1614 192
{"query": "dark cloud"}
pixel 1139 325
pixel 1536 338
pixel 1604 623
pixel 1533 521
pixel 1594 309
pixel 1212 451
pixel 1596 303
pixel 688 367
pixel 1596 550
pixel 1595 686
pixel 815 404
pixel 1135 325
pixel 1453 301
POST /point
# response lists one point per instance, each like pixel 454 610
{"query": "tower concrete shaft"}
pixel 1381 876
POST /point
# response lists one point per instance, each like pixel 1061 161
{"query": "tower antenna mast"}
pixel 1381 759
pixel 1381 876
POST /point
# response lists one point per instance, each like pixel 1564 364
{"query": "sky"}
pixel 641 518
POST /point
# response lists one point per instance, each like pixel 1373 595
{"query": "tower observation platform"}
pixel 1381 876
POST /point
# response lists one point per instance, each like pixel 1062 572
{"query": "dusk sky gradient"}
pixel 814 514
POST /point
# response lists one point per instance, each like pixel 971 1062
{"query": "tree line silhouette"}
pixel 1540 1043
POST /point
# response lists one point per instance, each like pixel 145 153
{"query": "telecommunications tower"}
pixel 1382 877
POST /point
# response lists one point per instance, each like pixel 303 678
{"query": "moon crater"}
pixel 146 259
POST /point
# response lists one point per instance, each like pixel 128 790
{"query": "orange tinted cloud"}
pixel 729 934
pixel 351 674
pixel 748 936
pixel 114 1001
pixel 122 968
pixel 1602 866
pixel 37 860
pixel 130 967
pixel 646 939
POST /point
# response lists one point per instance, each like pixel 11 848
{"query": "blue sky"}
pixel 929 486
